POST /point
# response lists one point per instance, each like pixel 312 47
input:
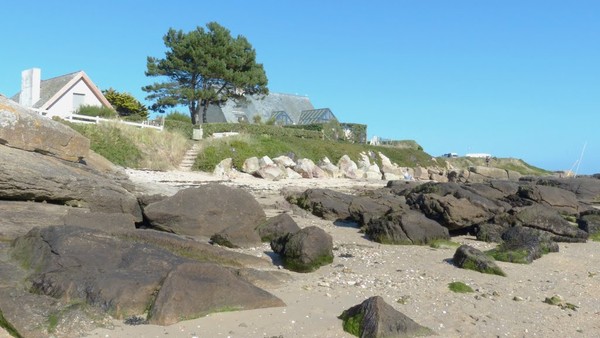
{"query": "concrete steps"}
pixel 190 157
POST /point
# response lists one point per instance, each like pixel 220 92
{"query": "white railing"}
pixel 76 118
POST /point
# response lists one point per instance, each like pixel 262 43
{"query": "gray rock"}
pixel 224 169
pixel 305 167
pixel 523 245
pixel 467 257
pixel 26 130
pixel 237 236
pixel 251 165
pixel 374 318
pixel 405 227
pixel 560 199
pixel 586 189
pixel 271 172
pixel 325 203
pixel 205 211
pixel 589 221
pixel 305 250
pixel 193 290
pixel 123 274
pixel 276 227
pixel 284 161
pixel 547 219
pixel 329 168
pixel 27 176
pixel 20 217
pixel 347 167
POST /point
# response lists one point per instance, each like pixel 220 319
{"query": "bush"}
pixel 110 142
pixel 94 111
pixel 177 116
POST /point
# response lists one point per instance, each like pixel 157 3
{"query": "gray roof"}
pixel 316 116
pixel 265 106
pixel 48 88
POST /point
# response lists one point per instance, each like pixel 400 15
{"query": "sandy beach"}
pixel 413 279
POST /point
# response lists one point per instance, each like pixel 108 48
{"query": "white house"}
pixel 58 96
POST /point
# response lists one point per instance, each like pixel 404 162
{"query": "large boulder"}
pixel 587 189
pixel 468 257
pixel 27 176
pixel 405 227
pixel 205 211
pixel 305 250
pixel 251 165
pixel 375 204
pixel 523 245
pixel 453 213
pixel 452 205
pixel 547 219
pixel 122 275
pixel 25 129
pixel 348 167
pixel 192 290
pixel 276 227
pixel 326 203
pixel 329 168
pixel 237 237
pixel 560 199
pixel 374 318
pixel 589 221
pixel 305 167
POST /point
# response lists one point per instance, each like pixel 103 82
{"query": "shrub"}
pixel 177 116
pixel 103 112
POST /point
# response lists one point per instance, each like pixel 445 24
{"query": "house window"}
pixel 78 100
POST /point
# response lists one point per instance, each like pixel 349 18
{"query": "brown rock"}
pixel 25 129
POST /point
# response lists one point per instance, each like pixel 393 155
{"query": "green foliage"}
pixel 512 256
pixel 110 142
pixel 256 129
pixel 257 119
pixel 241 147
pixel 512 164
pixel 333 130
pixel 8 326
pixel 126 105
pixel 184 128
pixel 177 116
pixel 472 265
pixel 352 325
pixel 595 237
pixel 459 287
pixel 443 244
pixel 203 67
pixel 94 111
pixel 295 264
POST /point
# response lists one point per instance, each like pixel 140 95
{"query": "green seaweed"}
pixel 459 287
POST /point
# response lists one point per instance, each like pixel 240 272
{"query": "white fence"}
pixel 76 118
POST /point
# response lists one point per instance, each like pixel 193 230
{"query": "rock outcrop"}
pixel 205 211
pixel 29 176
pixel 25 129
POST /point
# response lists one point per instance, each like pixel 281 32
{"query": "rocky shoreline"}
pixel 91 250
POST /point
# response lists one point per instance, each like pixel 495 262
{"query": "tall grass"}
pixel 131 147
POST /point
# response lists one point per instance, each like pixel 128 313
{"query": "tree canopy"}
pixel 126 105
pixel 204 67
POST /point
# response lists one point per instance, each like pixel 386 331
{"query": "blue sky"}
pixel 511 78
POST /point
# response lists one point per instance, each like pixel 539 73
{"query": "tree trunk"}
pixel 204 110
pixel 195 115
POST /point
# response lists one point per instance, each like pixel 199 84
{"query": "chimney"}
pixel 30 87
